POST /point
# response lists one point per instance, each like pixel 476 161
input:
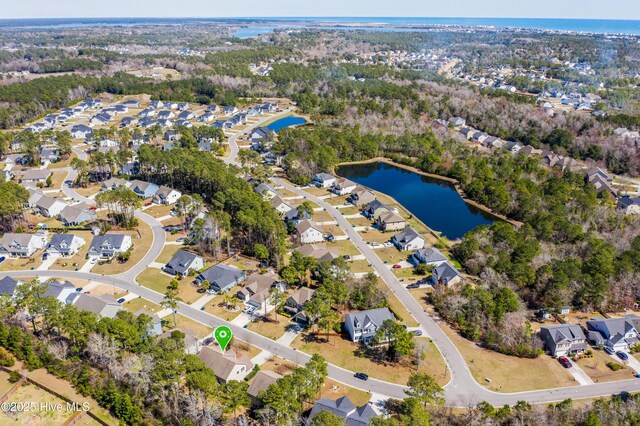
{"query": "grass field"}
pixel 141 244
pixel 157 280
pixel 597 369
pixel 135 305
pixel 322 216
pixel 507 373
pixel 22 264
pixel 269 327
pixel 344 353
pixel 88 191
pixel 185 323
pixel 159 210
pixel 345 247
pixel 167 253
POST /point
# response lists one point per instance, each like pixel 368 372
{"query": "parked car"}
pixel 346 257
pixel 396 266
pixel 2 259
pixel 181 240
pixel 208 341
pixel 79 289
pixel 415 285
pixel 388 244
pixel 361 376
pixel 417 332
pixel 622 355
pixel 121 300
pixel 609 350
pixel 564 361
pixel 44 256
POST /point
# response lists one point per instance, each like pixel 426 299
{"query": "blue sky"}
pixel 593 9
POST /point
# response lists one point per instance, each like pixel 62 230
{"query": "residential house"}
pixel 513 147
pixel 629 205
pixel 267 191
pixel 295 304
pixel 308 232
pixel 280 205
pixel 81 131
pixel 493 142
pixel 35 176
pixel 34 196
pixel 615 333
pixel 319 251
pixel 166 195
pixel 49 207
pixel 344 409
pixel 467 132
pixel 109 245
pixel 408 239
pixel 343 186
pixel 191 342
pixel 183 262
pixel 268 107
pixel 260 133
pixel 479 137
pixel 362 326
pixel 128 121
pixel 143 189
pixel 76 215
pixel 186 115
pixel 324 180
pixel 260 383
pixel 256 289
pixel 64 245
pixel 374 209
pixel 390 221
pixel 445 274
pixel 147 113
pixel 361 196
pixel 457 121
pixel 21 245
pixel 183 106
pixel 156 104
pixel 226 366
pixel 429 256
pixel 59 291
pixel 207 117
pixel 8 286
pixel 100 306
pixel 563 339
pixel 101 119
pixel 222 278
pixel 228 110
pixel 165 115
pixel 114 183
pixel 131 103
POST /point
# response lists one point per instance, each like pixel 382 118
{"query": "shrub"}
pixel 614 366
pixel 14 377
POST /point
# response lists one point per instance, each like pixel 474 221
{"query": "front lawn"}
pixel 142 239
pixel 187 324
pixel 157 280
pixel 596 368
pixel 342 352
pixel 268 327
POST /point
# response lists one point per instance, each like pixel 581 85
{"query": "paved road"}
pixel 462 389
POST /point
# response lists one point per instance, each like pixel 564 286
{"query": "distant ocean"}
pixel 258 25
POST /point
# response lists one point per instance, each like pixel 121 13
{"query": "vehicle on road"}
pixel 121 300
pixel 564 361
pixel 396 266
pixel 361 376
pixel 623 356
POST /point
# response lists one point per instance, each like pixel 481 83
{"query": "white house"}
pixel 49 207
pixel 21 245
pixel 429 256
pixel 64 245
pixel 308 232
pixel 343 186
pixel 324 180
pixel 280 205
pixel 166 195
pixel 408 239
pixel 108 245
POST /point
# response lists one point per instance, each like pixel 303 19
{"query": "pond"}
pixel 286 122
pixel 435 202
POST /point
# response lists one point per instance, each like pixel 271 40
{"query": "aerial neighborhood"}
pixel 304 222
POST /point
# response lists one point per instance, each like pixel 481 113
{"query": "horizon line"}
pixel 323 17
